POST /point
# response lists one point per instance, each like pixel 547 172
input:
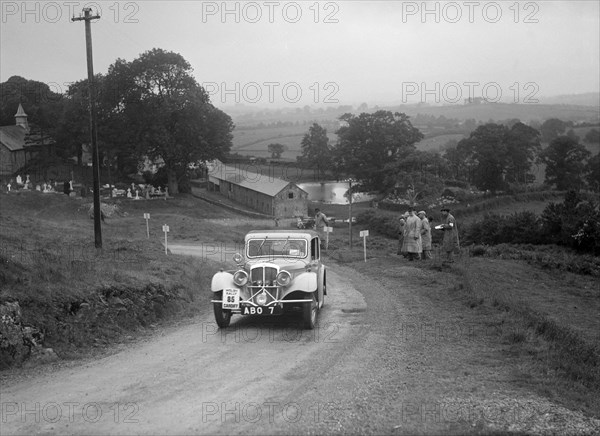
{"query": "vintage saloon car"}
pixel 280 271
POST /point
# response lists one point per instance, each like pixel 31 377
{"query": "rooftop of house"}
pixel 257 182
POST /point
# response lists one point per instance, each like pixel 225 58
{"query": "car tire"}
pixel 309 311
pixel 222 316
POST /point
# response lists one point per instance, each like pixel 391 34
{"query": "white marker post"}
pixel 327 231
pixel 147 217
pixel 364 234
pixel 166 230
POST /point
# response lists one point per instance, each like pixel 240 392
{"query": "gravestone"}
pixel 19 180
pixel 129 193
pixel 137 194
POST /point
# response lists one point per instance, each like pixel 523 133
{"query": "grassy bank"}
pixel 544 317
pixel 72 297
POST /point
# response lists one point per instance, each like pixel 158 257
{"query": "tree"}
pixel 315 148
pixel 592 136
pixel 168 113
pixel 523 147
pixel 418 173
pixel 552 128
pixel 593 173
pixel 487 152
pixel 458 162
pixel 564 159
pixel 494 154
pixel 369 142
pixel 276 149
pixel 41 104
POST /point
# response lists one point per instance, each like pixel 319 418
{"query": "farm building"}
pixel 261 192
pixel 14 150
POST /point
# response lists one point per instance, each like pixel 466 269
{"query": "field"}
pixel 255 142
pixel 581 132
pixel 437 143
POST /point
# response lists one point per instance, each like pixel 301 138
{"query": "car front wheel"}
pixel 222 316
pixel 310 310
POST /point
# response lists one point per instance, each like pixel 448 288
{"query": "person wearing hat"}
pixel 425 235
pixel 320 222
pixel 402 237
pixel 412 235
pixel 450 242
pixel 401 224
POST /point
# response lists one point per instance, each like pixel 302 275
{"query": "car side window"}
pixel 314 249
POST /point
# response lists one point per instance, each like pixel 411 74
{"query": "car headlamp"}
pixel 284 278
pixel 240 278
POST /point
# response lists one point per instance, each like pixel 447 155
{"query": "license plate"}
pixel 231 299
pixel 259 310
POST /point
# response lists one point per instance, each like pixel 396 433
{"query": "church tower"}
pixel 21 118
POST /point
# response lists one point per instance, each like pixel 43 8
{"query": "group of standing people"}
pixel 414 236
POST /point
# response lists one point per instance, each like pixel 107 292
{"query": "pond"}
pixel 332 192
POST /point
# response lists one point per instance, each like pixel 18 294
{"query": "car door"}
pixel 315 253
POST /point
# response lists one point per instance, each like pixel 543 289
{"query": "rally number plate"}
pixel 267 310
pixel 231 299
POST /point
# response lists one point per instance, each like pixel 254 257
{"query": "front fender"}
pixel 222 280
pixel 306 282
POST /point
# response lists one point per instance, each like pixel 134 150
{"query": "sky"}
pixel 285 53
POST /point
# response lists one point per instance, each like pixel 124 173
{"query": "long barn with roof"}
pixel 263 193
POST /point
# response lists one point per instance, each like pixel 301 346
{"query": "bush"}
pixel 456 183
pixel 381 224
pixel 478 250
pixel 574 223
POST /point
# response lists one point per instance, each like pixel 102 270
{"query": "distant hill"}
pixel 503 111
pixel 587 99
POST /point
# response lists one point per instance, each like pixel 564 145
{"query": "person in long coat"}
pixel 425 235
pixel 412 235
pixel 401 224
pixel 450 242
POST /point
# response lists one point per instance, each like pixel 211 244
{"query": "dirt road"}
pixel 366 369
pixel 196 379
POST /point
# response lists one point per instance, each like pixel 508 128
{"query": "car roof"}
pixel 283 232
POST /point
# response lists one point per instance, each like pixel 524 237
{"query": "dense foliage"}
pixel 574 223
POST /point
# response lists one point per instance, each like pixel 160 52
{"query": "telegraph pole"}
pixel 350 212
pixel 88 17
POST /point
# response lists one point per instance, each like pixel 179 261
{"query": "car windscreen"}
pixel 277 247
